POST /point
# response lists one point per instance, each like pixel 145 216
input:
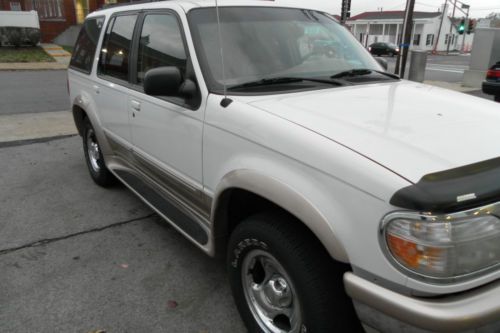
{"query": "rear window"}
pixel 86 45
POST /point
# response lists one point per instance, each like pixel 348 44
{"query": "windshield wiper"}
pixel 281 80
pixel 362 71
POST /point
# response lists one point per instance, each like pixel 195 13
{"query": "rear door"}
pixel 112 84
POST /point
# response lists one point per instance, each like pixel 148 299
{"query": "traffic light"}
pixel 470 27
pixel 461 27
pixel 345 13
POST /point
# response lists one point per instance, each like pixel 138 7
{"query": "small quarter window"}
pixel 115 52
pixel 86 44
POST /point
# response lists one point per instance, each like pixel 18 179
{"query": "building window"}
pixel 376 29
pixel 15 6
pixel 48 9
pixel 429 40
pixel 416 39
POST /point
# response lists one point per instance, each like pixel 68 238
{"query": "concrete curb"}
pixel 33 126
pixel 30 66
pixel 456 86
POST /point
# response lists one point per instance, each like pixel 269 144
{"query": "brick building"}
pixel 55 15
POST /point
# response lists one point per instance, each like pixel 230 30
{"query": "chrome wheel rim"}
pixel 270 294
pixel 93 150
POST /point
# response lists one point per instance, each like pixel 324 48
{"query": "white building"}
pixel 387 26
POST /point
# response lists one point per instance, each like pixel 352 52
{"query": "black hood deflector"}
pixel 453 190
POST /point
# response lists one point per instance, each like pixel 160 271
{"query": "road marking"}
pixel 444 70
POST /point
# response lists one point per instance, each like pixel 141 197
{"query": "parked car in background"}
pixel 491 85
pixel 381 48
pixel 334 190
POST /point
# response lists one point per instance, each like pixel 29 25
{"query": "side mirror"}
pixel 382 62
pixel 163 81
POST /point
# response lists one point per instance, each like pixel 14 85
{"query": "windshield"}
pixel 264 42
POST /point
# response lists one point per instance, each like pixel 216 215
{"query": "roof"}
pixel 392 15
pixel 187 5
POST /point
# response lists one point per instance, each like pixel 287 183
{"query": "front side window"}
pixel 263 42
pixel 160 45
pixel 115 52
pixel 86 44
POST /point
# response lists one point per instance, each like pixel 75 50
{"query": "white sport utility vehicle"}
pixel 335 190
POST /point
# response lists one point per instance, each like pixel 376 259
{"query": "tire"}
pixel 93 156
pixel 293 273
pixel 497 98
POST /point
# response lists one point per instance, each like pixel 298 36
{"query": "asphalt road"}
pixel 75 257
pixel 33 91
pixel 439 67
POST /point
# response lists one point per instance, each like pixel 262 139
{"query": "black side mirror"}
pixel 382 62
pixel 163 81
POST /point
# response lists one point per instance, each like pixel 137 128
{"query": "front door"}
pixel 166 133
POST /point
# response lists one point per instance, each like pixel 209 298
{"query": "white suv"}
pixel 268 135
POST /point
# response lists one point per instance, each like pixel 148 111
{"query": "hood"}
pixel 410 128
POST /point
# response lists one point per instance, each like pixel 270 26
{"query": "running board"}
pixel 163 206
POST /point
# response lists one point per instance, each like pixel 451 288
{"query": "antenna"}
pixel 225 101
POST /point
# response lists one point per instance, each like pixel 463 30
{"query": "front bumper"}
pixel 477 310
pixel 491 88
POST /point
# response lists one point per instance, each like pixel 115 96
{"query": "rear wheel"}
pixel 93 156
pixel 284 281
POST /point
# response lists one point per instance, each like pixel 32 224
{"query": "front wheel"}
pixel 284 281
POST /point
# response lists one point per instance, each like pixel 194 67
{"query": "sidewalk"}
pixel 61 57
pixel 32 126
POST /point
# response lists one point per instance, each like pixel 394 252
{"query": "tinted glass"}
pixel 115 52
pixel 160 44
pixel 270 42
pixel 86 44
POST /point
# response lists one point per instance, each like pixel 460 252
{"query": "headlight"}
pixel 444 247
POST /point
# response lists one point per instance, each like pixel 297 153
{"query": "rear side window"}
pixel 86 44
pixel 115 52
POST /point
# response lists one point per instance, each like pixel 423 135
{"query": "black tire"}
pixel 315 279
pixel 97 168
pixel 497 98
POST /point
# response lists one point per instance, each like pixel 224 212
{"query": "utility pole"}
pixel 451 27
pixel 445 11
pixel 405 46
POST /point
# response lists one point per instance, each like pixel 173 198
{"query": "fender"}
pixel 87 104
pixel 287 198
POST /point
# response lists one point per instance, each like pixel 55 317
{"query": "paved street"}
pixel 439 67
pixel 33 91
pixel 78 258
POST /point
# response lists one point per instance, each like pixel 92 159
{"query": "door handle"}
pixel 136 105
pixel 96 89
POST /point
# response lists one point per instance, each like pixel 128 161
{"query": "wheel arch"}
pixel 269 192
pixel 79 115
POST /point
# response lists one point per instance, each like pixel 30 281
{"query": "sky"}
pixel 478 8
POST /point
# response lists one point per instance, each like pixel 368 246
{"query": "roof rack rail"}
pixel 128 3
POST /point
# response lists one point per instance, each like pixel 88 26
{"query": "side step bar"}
pixel 158 202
